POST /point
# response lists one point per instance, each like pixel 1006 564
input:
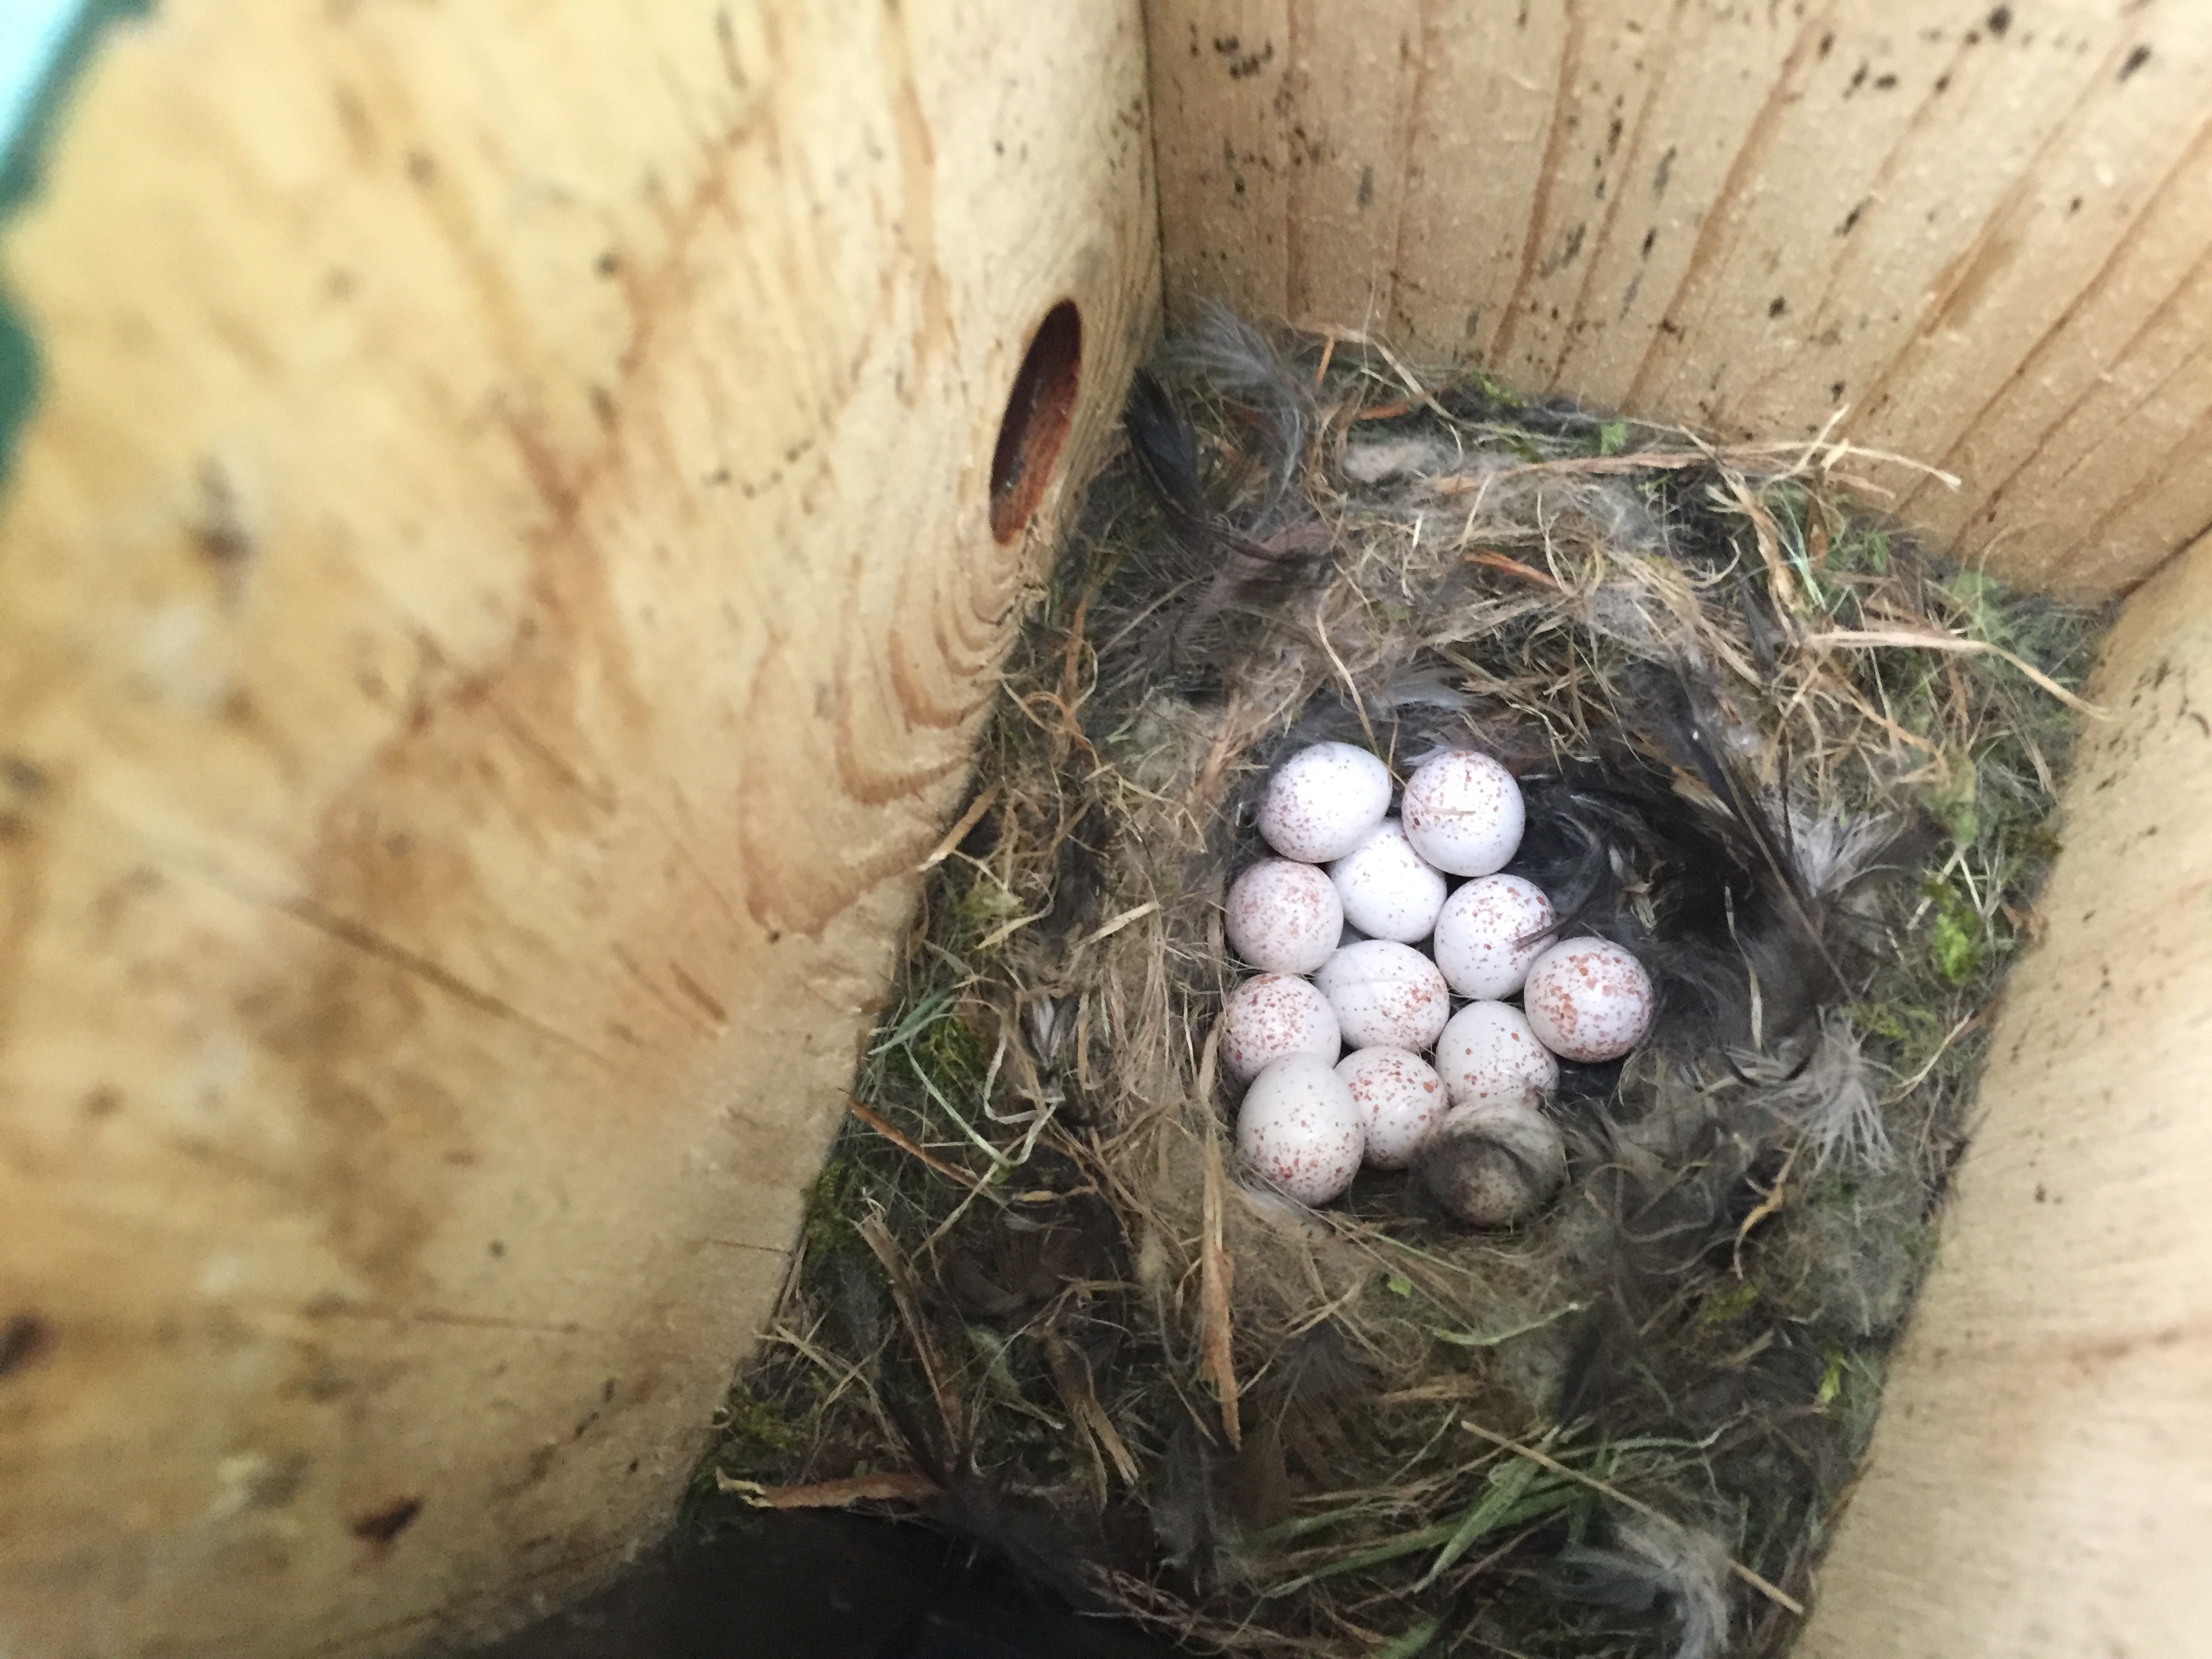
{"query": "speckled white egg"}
pixel 1463 813
pixel 1300 1130
pixel 1589 999
pixel 1388 890
pixel 1488 934
pixel 1283 917
pixel 1488 1052
pixel 1274 1015
pixel 1401 1097
pixel 1322 801
pixel 1385 994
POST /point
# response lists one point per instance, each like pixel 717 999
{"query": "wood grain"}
pixel 2041 1478
pixel 1984 233
pixel 495 603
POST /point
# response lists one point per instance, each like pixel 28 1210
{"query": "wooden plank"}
pixel 1982 232
pixel 2041 1478
pixel 495 603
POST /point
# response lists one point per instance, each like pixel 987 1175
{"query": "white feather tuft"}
pixel 1831 854
pixel 1654 1563
pixel 1831 1098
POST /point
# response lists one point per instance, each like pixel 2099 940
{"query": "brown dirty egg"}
pixel 1494 1163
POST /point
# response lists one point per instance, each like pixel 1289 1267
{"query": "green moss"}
pixel 954 1056
pixel 1723 1305
pixel 831 1201
pixel 1956 801
pixel 1956 937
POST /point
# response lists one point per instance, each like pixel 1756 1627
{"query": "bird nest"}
pixel 1802 769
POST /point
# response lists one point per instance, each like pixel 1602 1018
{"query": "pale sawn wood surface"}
pixel 495 603
pixel 1984 232
pixel 2040 1485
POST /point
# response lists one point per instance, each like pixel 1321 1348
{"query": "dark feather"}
pixel 1213 570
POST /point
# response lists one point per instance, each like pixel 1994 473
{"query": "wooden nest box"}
pixel 511 516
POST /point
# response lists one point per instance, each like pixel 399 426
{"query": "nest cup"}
pixel 1800 771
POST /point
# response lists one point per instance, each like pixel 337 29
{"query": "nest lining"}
pixel 1804 769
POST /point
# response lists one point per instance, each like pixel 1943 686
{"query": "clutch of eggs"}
pixel 1308 1119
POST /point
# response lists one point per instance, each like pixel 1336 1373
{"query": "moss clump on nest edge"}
pixel 1804 769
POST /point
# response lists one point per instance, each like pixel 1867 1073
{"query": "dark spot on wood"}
pixel 25 1339
pixel 1777 306
pixel 633 1466
pixel 1942 83
pixel 1998 21
pixel 1661 174
pixel 1836 390
pixel 421 168
pixel 20 777
pixel 1884 83
pixel 1650 237
pixel 602 405
pixel 380 1527
pixel 607 1392
pixel 277 1484
pixel 105 1101
pixel 1366 186
pixel 1850 220
pixel 220 535
pixel 1858 80
pixel 608 263
pixel 1827 42
pixel 2073 207
pixel 498 1249
pixel 2135 61
pixel 537 1466
pixel 2041 1196
pixel 706 999
pixel 1248 62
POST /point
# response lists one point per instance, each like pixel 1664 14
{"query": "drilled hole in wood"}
pixel 1038 411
